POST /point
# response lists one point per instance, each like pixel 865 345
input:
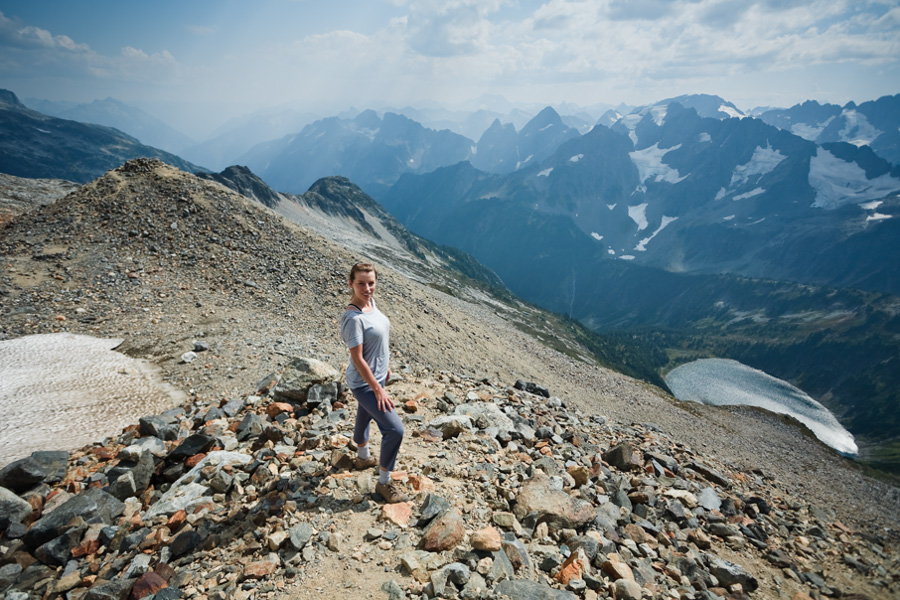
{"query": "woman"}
pixel 366 332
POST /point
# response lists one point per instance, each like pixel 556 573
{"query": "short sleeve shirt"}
pixel 372 330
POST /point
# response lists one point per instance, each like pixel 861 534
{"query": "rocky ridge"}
pixel 245 291
pixel 515 494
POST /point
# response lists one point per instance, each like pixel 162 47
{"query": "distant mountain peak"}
pixel 9 98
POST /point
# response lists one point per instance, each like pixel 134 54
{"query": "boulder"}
pixel 12 508
pixel 22 475
pixel 520 589
pixel 302 373
pixel 551 506
pixel 444 532
pixel 92 505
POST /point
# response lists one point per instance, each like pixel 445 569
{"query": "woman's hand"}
pixel 385 403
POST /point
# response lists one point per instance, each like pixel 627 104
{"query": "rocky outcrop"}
pixel 599 510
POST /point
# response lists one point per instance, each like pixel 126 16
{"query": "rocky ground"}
pixel 608 487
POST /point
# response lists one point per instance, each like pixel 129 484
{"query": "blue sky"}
pixel 208 60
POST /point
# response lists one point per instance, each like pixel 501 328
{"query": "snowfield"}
pixel 649 162
pixel 838 183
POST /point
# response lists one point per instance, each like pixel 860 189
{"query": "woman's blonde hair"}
pixel 362 268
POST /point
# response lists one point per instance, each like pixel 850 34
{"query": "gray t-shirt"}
pixel 372 330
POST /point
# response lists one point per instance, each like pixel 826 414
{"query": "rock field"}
pixel 531 473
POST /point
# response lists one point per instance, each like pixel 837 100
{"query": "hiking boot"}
pixel 391 492
pixel 361 464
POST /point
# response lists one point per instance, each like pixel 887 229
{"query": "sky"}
pixel 196 63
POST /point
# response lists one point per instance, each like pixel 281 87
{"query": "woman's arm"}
pixel 385 403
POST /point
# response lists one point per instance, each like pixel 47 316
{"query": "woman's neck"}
pixel 362 304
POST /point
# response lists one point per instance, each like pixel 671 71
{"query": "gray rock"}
pixel 709 474
pixel 22 475
pixel 623 457
pixel 519 589
pixel 489 411
pixel 393 590
pixel 302 373
pixel 625 589
pixel 118 589
pixel 709 499
pixel 12 508
pixel 451 426
pixel 432 507
pixel 196 443
pixel 322 395
pixel 54 463
pixel 153 424
pixel 91 505
pixel 300 535
pixel 251 425
pixel 186 489
pixel 729 573
pixel 554 507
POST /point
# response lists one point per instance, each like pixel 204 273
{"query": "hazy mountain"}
pixel 875 124
pixel 36 145
pixel 503 150
pixel 658 222
pixel 237 136
pixel 372 151
pixel 113 113
pixel 690 194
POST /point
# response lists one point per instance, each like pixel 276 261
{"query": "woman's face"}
pixel 363 284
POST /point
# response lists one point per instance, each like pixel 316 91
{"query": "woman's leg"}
pixel 389 424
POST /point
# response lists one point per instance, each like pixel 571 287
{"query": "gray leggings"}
pixel 389 424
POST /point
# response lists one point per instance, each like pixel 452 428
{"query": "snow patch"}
pixel 858 131
pixel 731 112
pixel 642 246
pixel 522 163
pixel 878 217
pixel 546 127
pixel 721 194
pixel 626 257
pixel 838 183
pixel 545 172
pixel 810 132
pixel 871 205
pixel 576 158
pixel 750 194
pixel 596 236
pixel 704 137
pixel 611 251
pixel 638 214
pixel 763 161
pixel 728 218
pixel 649 162
pixel 659 114
pixel 611 206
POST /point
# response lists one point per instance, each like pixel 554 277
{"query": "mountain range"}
pixel 36 145
pixel 682 229
pixel 114 113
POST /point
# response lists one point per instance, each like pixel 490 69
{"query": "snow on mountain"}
pixel 649 162
pixel 638 214
pixel 642 245
pixel 839 183
pixel 858 131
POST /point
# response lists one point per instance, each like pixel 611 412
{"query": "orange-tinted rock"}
pixel 574 567
pixel 148 583
pixel 398 513
pixel 444 532
pixel 616 568
pixel 420 483
pixel 276 408
pixel 487 539
pixel 193 461
pixel 177 520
